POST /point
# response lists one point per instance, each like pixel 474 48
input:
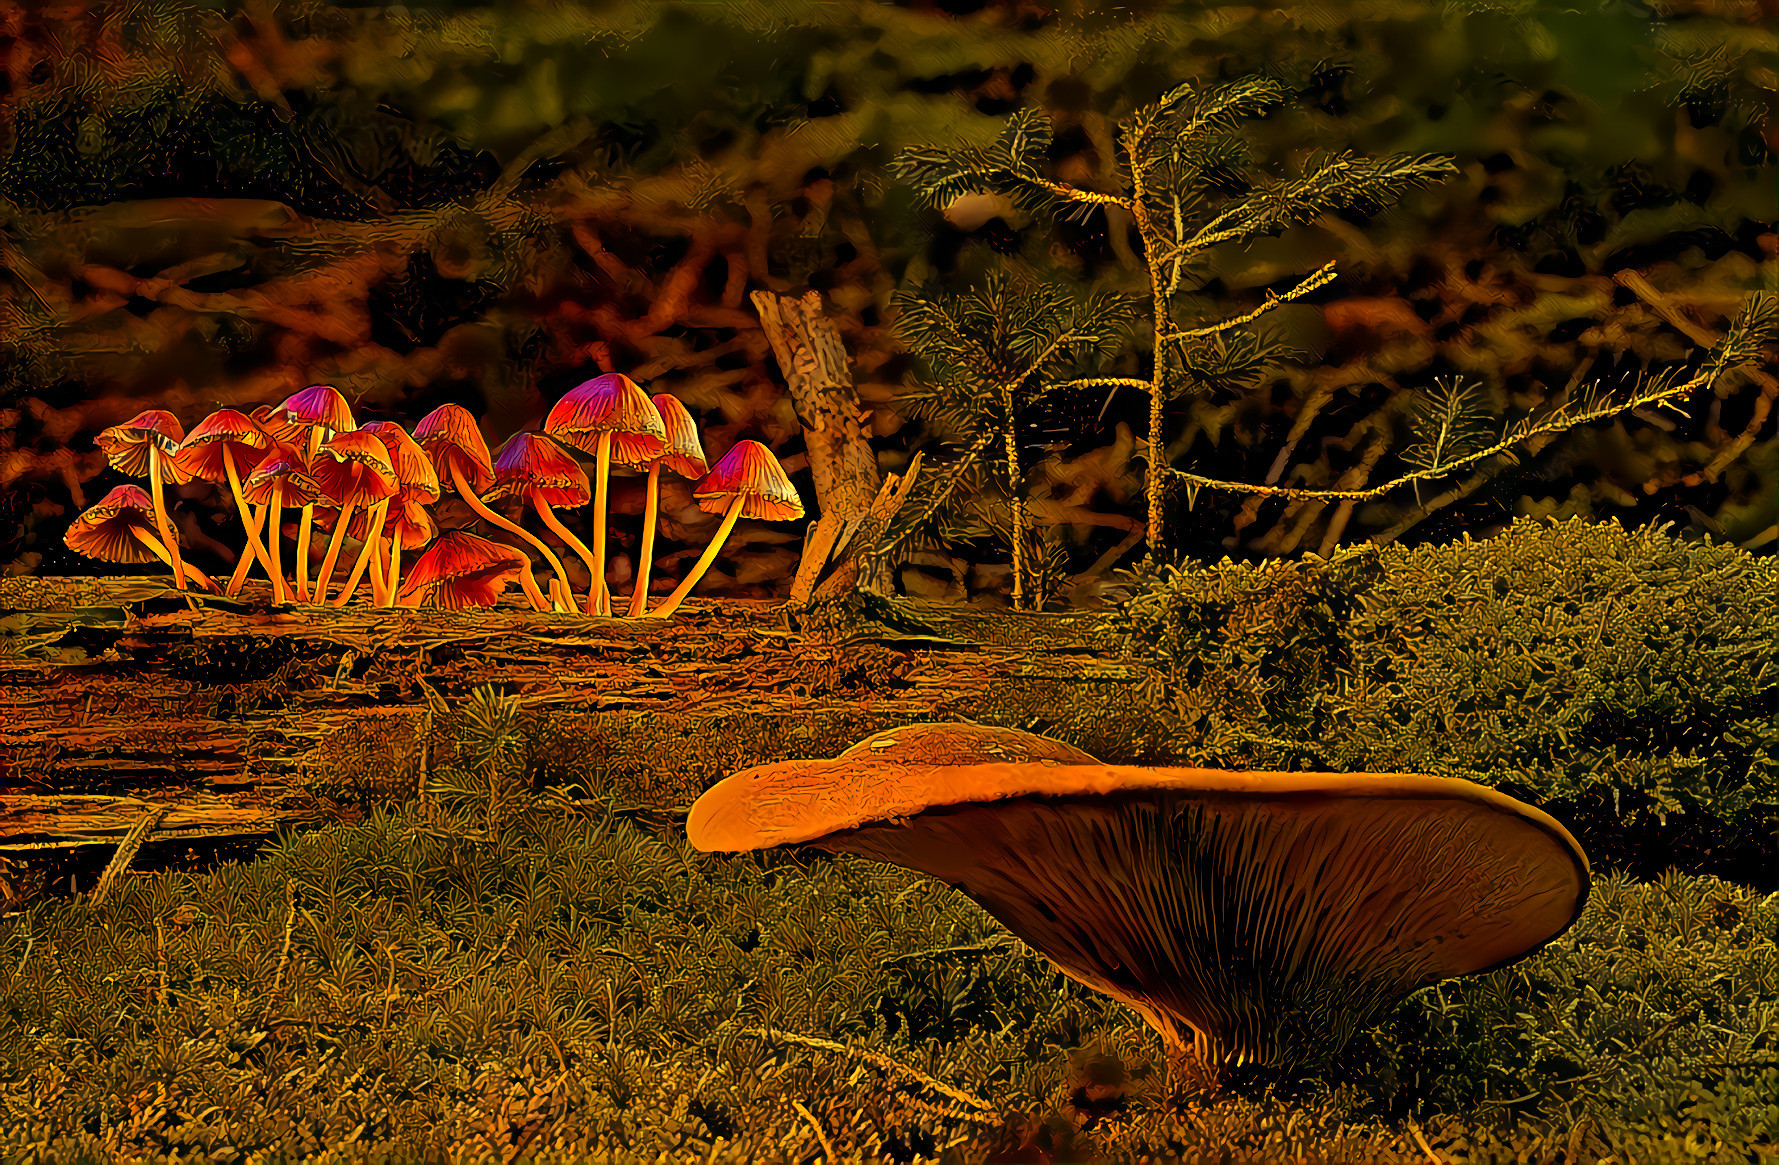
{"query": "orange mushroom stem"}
pixel 143 447
pixel 684 454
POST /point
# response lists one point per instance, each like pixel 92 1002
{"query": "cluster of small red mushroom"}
pixel 378 479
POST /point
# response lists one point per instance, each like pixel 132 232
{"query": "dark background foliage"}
pixel 212 204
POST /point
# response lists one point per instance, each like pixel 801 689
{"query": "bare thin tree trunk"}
pixel 847 482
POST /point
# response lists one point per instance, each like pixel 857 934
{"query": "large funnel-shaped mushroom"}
pixel 1255 918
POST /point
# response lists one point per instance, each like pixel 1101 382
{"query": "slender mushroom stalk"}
pixel 684 454
pixel 367 553
pixel 306 527
pixel 270 422
pixel 120 528
pixel 354 470
pixel 317 413
pixel 214 451
pixel 159 549
pixel 747 483
pixel 534 468
pixel 282 474
pixel 1253 919
pixel 256 524
pixel 611 418
pixel 450 437
pixel 406 519
pixel 142 447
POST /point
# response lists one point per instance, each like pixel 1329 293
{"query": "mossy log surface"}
pixel 118 696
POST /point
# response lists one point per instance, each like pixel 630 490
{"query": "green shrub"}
pixel 1567 662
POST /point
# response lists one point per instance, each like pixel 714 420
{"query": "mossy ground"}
pixel 498 974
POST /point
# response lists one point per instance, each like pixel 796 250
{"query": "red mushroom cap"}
pixel 200 454
pixel 354 467
pixel 104 531
pixel 533 467
pixel 450 437
pixel 684 453
pixel 126 445
pixel 281 463
pixel 462 570
pixel 613 404
pixel 319 404
pixel 413 468
pixel 750 471
pixel 407 513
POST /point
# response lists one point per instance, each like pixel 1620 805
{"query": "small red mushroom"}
pixel 215 450
pixel 143 446
pixel 405 517
pixel 281 478
pixel 450 437
pixel 613 419
pixel 353 469
pixel 535 468
pixel 462 570
pixel 121 529
pixel 310 417
pixel 747 483
pixel 683 454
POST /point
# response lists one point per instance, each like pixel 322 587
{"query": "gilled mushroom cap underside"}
pixel 1262 917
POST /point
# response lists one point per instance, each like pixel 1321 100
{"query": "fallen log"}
pixel 241 718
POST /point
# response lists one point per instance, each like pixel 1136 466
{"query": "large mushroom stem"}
pixel 548 513
pixel 255 546
pixel 160 514
pixel 392 580
pixel 672 602
pixel 639 593
pixel 303 528
pixel 333 553
pixel 597 601
pixel 379 510
pixel 529 580
pixel 185 568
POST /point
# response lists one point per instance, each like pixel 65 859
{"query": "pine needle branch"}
pixel 1343 180
pixel 1323 276
pixel 1754 332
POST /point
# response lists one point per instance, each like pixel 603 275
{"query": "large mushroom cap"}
pixel 355 467
pixel 451 437
pixel 286 465
pixel 532 466
pixel 684 452
pixel 1260 918
pixel 615 404
pixel 413 469
pixel 126 445
pixel 462 570
pixel 200 455
pixel 751 473
pixel 318 406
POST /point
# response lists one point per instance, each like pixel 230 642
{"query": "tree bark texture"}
pixel 813 359
pixel 238 718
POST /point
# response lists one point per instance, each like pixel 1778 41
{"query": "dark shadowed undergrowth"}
pixel 497 974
